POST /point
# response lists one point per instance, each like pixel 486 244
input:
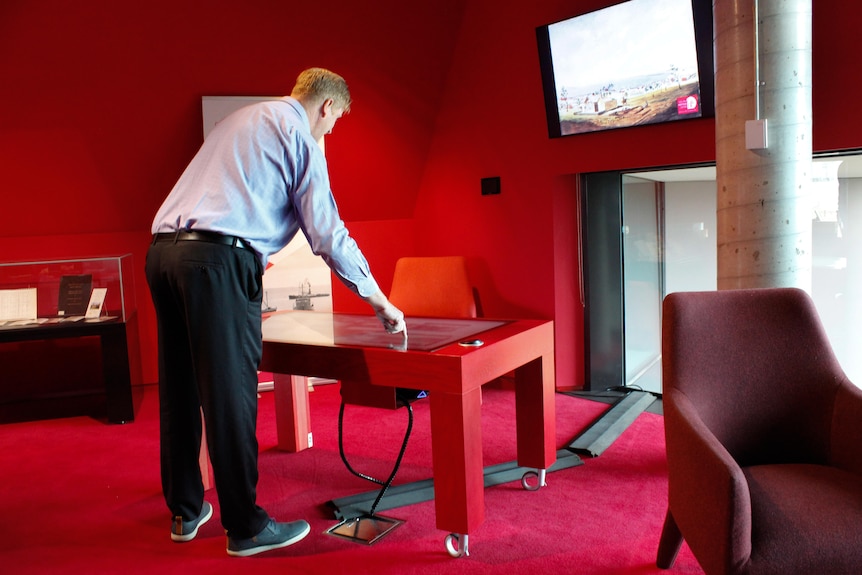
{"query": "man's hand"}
pixel 390 316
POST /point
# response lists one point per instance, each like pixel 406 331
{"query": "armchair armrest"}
pixel 708 494
pixel 846 435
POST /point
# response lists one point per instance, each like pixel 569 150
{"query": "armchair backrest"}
pixel 757 366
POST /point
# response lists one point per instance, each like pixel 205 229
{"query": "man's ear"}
pixel 326 107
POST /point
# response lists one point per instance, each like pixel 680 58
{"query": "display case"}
pixel 95 289
pixel 47 307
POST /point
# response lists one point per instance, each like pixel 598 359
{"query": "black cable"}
pixel 386 484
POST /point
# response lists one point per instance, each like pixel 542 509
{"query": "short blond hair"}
pixel 320 84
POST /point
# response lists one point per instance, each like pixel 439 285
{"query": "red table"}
pixel 441 356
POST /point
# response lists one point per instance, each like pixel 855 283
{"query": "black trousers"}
pixel 208 306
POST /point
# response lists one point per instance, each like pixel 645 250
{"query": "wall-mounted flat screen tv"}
pixel 631 64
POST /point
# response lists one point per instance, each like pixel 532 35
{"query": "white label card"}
pixel 97 299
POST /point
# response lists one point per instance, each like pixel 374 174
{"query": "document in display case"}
pixel 74 294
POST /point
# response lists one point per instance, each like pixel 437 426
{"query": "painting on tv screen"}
pixel 626 65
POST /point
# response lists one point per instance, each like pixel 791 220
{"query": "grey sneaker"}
pixel 182 531
pixel 274 536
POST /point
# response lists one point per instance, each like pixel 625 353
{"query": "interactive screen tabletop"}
pixel 321 328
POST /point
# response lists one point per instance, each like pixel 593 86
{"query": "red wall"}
pixel 100 112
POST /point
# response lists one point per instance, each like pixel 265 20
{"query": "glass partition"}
pixel 669 223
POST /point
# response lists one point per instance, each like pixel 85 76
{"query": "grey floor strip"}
pixel 611 424
pixel 419 491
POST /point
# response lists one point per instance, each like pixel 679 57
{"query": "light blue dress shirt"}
pixel 260 176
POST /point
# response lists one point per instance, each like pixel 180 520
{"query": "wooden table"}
pixel 449 358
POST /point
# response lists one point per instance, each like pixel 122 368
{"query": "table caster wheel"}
pixel 533 480
pixel 456 544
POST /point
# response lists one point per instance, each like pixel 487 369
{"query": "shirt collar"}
pixel 294 103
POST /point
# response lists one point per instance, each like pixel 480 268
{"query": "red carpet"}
pixel 79 496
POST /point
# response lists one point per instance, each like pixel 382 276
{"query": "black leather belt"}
pixel 199 236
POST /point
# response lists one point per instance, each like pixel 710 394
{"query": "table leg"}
pixel 292 413
pixel 117 376
pixel 456 430
pixel 535 413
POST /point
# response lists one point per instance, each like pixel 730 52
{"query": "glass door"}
pixel 668 245
pixel 643 281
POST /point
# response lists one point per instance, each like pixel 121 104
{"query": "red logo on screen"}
pixel 687 105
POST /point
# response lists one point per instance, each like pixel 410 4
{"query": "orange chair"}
pixel 433 287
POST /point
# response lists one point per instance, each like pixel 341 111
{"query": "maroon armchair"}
pixel 764 437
